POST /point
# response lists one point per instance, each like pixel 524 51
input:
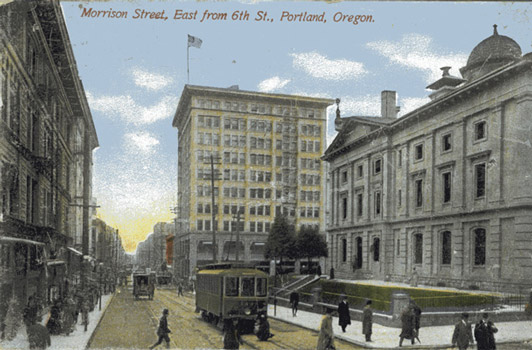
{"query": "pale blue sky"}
pixel 134 70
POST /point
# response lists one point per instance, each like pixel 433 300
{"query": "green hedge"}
pixel 381 296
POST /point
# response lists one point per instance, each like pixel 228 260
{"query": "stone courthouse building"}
pixel 444 190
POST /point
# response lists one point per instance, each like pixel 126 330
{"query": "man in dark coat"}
pixel 367 321
pixel 462 335
pixel 344 318
pixel 263 328
pixel 231 338
pixel 38 335
pixel 484 333
pixel 407 325
pixel 294 301
pixel 163 331
pixel 416 311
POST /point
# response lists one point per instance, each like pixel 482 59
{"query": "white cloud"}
pixel 320 66
pixel 417 51
pixel 125 108
pixel 408 104
pixel 142 142
pixel 272 83
pixel 150 81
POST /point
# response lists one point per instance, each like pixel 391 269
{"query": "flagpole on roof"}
pixel 195 42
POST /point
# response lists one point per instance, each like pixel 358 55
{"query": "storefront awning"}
pixel 77 252
pixel 55 262
pixel 19 240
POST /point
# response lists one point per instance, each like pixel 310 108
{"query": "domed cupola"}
pixel 491 53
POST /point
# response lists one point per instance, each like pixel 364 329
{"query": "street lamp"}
pixel 100 286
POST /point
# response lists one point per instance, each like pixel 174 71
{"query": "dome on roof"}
pixel 491 53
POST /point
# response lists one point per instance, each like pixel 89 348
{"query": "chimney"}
pixel 389 108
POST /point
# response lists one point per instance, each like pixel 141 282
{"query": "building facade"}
pixel 265 152
pixel 444 190
pixel 152 252
pixel 47 137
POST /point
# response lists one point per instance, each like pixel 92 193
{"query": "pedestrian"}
pixel 262 327
pixel 414 278
pixel 344 318
pixel 485 333
pixel 367 320
pixel 163 330
pixel 231 337
pixel 416 310
pixel 407 325
pixel 326 336
pixel 30 311
pixel 38 335
pixel 180 289
pixel 54 322
pixel 294 302
pixel 318 270
pixel 462 335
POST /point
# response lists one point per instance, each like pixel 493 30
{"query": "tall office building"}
pixel 265 151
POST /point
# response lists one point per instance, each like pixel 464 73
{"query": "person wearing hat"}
pixel 344 318
pixel 485 333
pixel 462 335
pixel 326 336
pixel 163 330
pixel 367 320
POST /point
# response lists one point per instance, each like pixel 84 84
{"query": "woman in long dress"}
pixel 326 336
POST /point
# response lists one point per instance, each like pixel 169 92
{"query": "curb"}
pixel 104 311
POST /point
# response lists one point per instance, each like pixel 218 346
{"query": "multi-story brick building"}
pixel 47 137
pixel 445 189
pixel 265 150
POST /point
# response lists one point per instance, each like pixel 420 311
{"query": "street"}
pixel 130 323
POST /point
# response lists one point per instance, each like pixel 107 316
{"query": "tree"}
pixel 281 240
pixel 311 244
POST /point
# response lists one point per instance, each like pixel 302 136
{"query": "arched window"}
pixel 418 248
pixel 446 248
pixel 479 240
pixel 376 248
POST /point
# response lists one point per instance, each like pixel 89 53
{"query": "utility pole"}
pixel 213 176
pixel 237 245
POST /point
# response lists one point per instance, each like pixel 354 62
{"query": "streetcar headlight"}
pixel 247 311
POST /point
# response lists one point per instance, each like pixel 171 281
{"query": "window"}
pixel 377 167
pixel 480 130
pixel 359 204
pixel 400 158
pixel 376 248
pixel 377 203
pixel 398 246
pixel 419 193
pixel 446 187
pixel 344 250
pixel 480 246
pixel 261 287
pixel 418 248
pixel 231 286
pixel 344 176
pixel 446 251
pixel 418 152
pixel 344 208
pixel 248 286
pixel 399 198
pixel 360 170
pixel 480 180
pixel 446 142
pixel 200 225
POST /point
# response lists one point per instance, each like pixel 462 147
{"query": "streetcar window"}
pixel 248 286
pixel 231 286
pixel 261 287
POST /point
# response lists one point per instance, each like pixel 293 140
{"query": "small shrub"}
pixel 474 287
pixel 441 284
pixel 528 309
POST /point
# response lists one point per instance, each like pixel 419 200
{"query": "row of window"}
pixel 310 146
pixel 310 163
pixel 257 108
pixel 309 196
pixel 446 249
pixel 254 226
pixel 260 176
pixel 309 212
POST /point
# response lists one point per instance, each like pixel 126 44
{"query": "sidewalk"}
pixel 78 339
pixel 386 338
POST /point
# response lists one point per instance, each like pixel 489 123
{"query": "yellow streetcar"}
pixel 231 291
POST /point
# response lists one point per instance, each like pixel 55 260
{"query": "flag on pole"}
pixel 194 41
